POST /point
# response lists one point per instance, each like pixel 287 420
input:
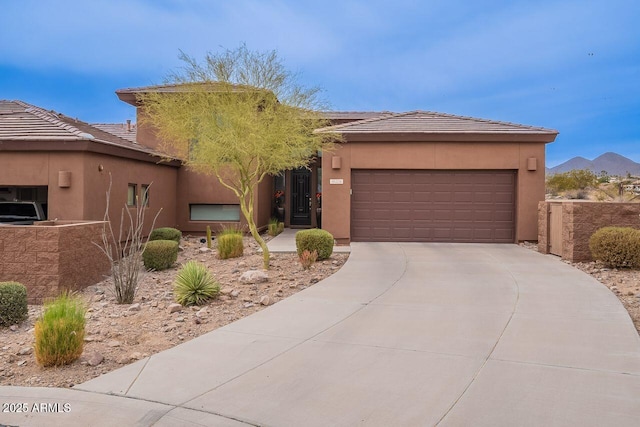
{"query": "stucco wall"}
pixel 162 192
pixel 85 198
pixel 434 155
pixel 48 259
pixel 580 219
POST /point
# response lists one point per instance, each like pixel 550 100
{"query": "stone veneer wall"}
pixel 50 257
pixel 580 219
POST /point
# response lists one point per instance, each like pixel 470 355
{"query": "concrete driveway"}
pixel 403 335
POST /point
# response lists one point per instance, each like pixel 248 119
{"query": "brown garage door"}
pixel 433 206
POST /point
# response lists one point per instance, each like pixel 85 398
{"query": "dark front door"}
pixel 301 197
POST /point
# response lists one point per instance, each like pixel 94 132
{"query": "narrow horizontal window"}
pixel 214 212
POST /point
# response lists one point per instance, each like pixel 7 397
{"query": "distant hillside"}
pixel 613 163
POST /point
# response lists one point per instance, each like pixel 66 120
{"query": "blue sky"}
pixel 569 65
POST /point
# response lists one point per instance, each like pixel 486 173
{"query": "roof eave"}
pixel 86 146
pixel 127 96
pixel 543 137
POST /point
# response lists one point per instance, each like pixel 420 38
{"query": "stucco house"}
pixel 417 176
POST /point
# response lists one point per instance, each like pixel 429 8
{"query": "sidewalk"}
pixel 286 242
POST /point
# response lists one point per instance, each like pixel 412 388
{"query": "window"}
pixel 144 194
pixel 131 194
pixel 214 212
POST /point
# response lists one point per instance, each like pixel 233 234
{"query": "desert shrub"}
pixel 274 227
pixel 575 179
pixel 317 240
pixel 13 303
pixel 230 244
pixel 165 233
pixel 160 254
pixel 308 258
pixel 59 332
pixel 194 284
pixel 616 247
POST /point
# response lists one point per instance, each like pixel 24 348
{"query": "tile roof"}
pixel 427 122
pixel 122 130
pixel 20 121
pixel 352 115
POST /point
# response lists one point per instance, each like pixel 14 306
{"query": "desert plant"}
pixel 208 237
pixel 230 244
pixel 308 258
pixel 59 332
pixel 160 254
pixel 124 250
pixel 317 240
pixel 274 227
pixel 13 303
pixel 616 247
pixel 165 233
pixel 575 179
pixel 194 284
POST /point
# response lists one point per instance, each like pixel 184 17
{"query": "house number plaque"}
pixel 336 181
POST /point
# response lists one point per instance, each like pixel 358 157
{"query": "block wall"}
pixel 580 219
pixel 51 257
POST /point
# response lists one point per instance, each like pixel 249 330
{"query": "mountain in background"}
pixel 613 163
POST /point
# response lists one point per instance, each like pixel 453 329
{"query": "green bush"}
pixel 273 228
pixel 166 233
pixel 13 303
pixel 616 247
pixel 230 244
pixel 317 240
pixel 194 284
pixel 59 332
pixel 160 254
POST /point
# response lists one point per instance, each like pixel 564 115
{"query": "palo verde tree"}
pixel 239 116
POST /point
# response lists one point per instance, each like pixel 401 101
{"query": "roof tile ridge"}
pixel 383 116
pixel 53 118
pixel 497 122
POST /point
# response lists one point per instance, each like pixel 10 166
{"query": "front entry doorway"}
pixel 301 197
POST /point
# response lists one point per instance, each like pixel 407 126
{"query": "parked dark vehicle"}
pixel 21 213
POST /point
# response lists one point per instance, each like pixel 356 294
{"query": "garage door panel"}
pixel 427 205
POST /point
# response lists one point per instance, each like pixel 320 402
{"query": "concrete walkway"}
pixel 403 335
pixel 286 242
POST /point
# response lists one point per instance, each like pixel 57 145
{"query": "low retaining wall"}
pixel 579 220
pixel 51 256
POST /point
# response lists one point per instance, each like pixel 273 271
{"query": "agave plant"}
pixel 194 284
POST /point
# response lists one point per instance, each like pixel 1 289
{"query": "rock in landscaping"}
pixel 235 293
pixel 204 250
pixel 226 290
pixel 13 328
pixel 254 276
pixel 174 308
pixel 24 351
pixel 179 319
pixel 95 359
pixel 135 355
pixel 248 305
pixel 135 307
pixel 114 343
pixel 265 300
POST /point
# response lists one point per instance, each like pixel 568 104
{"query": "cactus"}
pixel 208 237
